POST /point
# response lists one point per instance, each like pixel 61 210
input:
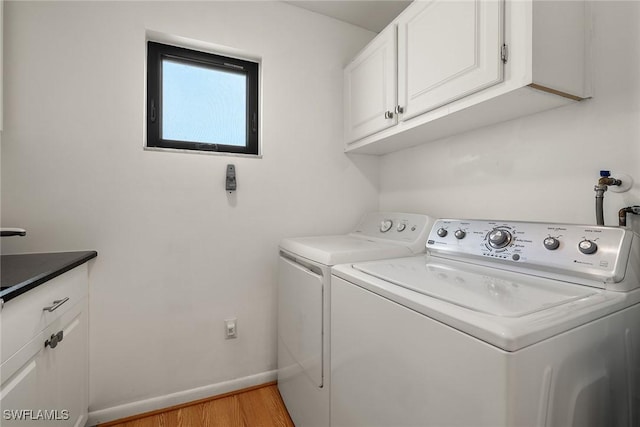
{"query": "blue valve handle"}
pixel 605 174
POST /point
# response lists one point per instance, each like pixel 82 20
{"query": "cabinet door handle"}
pixel 56 304
pixel 54 340
pixel 388 114
pixel 399 109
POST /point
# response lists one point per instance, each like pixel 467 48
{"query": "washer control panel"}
pixel 583 251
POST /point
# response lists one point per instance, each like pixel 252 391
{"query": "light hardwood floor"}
pixel 259 406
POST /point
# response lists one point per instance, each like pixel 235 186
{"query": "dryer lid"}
pixel 485 290
pixel 332 250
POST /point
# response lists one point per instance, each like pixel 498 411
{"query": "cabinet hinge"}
pixel 504 53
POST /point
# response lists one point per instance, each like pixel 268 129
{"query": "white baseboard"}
pixel 185 396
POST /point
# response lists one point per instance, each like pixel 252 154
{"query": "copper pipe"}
pixel 622 214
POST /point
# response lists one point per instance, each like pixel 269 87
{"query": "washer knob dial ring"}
pixel 551 243
pixel 386 225
pixel 499 238
pixel 587 247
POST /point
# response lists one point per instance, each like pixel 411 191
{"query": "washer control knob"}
pixel 386 225
pixel 442 232
pixel 551 243
pixel 587 247
pixel 499 238
pixel 401 226
pixel 460 234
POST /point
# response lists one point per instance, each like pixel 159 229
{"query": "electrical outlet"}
pixel 231 328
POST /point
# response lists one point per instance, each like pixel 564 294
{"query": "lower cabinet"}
pixel 46 381
pixel 67 368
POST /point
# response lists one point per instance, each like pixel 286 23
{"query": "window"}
pixel 201 101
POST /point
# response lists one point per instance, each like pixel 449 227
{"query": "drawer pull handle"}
pixel 56 304
pixel 54 340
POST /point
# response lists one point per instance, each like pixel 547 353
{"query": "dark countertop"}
pixel 23 272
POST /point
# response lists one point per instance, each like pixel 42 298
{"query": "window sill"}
pixel 206 153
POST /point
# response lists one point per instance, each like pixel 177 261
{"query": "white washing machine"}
pixel 499 324
pixel 304 301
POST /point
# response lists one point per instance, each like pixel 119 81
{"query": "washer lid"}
pixel 484 290
pixel 332 250
pixel 508 310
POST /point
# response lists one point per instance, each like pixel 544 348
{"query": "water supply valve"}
pixel 617 185
pixel 606 181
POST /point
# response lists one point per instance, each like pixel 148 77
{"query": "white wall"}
pixel 176 254
pixel 542 167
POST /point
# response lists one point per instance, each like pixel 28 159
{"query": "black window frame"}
pixel 156 52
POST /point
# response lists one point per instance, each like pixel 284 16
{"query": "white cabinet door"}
pixel 370 88
pixel 448 49
pixel 49 383
pixel 69 362
pixel 20 394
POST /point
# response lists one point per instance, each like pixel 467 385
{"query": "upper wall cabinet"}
pixel 464 64
pixel 448 50
pixel 370 91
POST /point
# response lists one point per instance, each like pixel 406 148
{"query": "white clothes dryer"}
pixel 499 324
pixel 304 296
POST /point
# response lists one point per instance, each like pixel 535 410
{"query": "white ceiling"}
pixel 372 15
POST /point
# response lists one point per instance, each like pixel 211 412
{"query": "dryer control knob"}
pixel 386 225
pixel 460 234
pixel 551 243
pixel 401 226
pixel 587 247
pixel 442 232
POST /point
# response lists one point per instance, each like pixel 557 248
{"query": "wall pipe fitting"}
pixel 622 214
pixel 604 182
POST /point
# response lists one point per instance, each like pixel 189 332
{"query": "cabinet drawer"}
pixel 24 317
